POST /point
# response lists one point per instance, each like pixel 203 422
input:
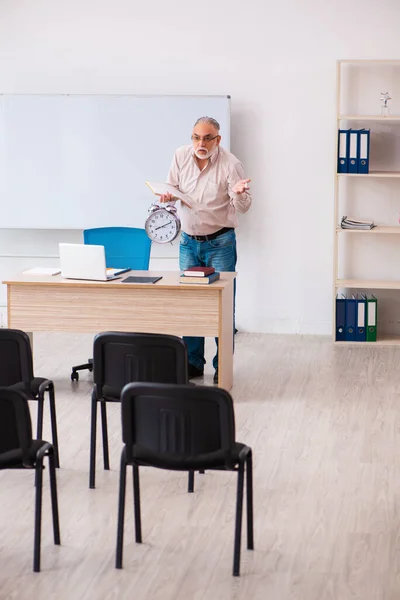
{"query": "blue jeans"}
pixel 219 253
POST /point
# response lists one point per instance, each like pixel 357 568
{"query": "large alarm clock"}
pixel 163 223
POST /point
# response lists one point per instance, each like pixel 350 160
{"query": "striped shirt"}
pixel 214 204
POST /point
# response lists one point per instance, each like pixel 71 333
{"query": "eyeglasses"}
pixel 206 138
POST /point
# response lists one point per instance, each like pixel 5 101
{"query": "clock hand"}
pixel 161 226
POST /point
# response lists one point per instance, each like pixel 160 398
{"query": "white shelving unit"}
pixel 382 74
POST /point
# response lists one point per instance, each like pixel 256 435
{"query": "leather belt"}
pixel 211 236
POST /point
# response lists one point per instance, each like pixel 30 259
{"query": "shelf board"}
pixel 378 229
pixel 374 284
pixel 371 61
pixel 371 174
pixel 377 118
pixel 384 340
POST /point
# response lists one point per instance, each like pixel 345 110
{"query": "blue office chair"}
pixel 124 247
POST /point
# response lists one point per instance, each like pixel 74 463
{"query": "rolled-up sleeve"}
pixel 241 202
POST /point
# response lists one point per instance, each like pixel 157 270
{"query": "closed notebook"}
pixel 138 279
pixel 202 280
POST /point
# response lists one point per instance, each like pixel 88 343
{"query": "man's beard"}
pixel 207 154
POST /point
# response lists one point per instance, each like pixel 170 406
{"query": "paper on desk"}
pixel 162 188
pixel 42 271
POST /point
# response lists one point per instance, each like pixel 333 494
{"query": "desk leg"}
pixel 225 342
pixel 28 333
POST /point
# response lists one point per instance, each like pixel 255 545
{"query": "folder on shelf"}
pixel 361 319
pixel 351 310
pixel 372 317
pixel 363 151
pixel 342 151
pixel 352 144
pixel 340 318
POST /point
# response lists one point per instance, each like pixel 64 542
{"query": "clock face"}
pixel 162 226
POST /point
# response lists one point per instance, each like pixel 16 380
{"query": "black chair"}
pixel 182 428
pixel 19 450
pixel 16 371
pixel 124 247
pixel 121 358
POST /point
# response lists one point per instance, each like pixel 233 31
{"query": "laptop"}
pixel 86 261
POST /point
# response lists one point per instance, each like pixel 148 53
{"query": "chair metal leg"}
pixel 106 457
pixel 121 512
pixel 249 502
pixel 39 428
pixel 92 463
pixel 54 500
pixel 238 525
pixel 191 482
pixel 136 501
pixel 38 514
pixel 53 421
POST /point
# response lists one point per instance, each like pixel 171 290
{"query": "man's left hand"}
pixel 241 186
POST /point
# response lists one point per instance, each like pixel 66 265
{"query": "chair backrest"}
pixel 15 424
pixel 120 358
pixel 16 362
pixel 124 246
pixel 181 421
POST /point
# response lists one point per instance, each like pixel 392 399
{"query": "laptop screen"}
pixel 83 261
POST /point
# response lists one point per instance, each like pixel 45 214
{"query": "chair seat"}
pixel 13 458
pixel 221 459
pixel 30 390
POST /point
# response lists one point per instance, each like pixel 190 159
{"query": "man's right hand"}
pixel 166 197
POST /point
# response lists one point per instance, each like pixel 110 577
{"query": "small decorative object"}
pixel 163 223
pixel 384 108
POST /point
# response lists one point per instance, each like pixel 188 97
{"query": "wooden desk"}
pixel 52 303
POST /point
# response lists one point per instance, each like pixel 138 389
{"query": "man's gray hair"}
pixel 209 121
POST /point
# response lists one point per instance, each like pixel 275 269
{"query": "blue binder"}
pixel 351 311
pixel 361 319
pixel 352 151
pixel 363 150
pixel 340 319
pixel 342 151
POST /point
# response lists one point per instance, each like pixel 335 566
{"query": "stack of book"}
pixel 348 223
pixel 202 275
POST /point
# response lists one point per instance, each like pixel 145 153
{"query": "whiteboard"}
pixel 81 161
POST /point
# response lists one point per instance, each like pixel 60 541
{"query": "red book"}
pixel 199 271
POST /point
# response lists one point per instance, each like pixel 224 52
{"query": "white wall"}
pixel 276 60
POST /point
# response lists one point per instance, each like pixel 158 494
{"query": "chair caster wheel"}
pixel 74 376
